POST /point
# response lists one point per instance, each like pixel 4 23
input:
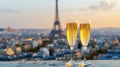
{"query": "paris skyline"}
pixel 40 14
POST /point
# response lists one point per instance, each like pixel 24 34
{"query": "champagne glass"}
pixel 71 33
pixel 85 31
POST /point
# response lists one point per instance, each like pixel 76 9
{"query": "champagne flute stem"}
pixel 71 55
pixel 84 57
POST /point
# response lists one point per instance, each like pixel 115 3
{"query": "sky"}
pixel 40 14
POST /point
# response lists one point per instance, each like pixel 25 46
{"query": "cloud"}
pixel 93 7
pixel 83 9
pixel 102 5
pixel 105 5
pixel 9 11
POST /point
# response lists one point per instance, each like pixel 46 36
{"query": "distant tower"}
pixel 57 30
pixel 9 29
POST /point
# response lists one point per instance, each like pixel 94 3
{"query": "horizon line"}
pixel 51 28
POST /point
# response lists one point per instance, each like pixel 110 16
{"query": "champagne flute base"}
pixel 84 63
pixel 71 63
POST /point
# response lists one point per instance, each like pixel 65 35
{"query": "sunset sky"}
pixel 39 14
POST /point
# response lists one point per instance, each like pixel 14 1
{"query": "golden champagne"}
pixel 85 33
pixel 71 32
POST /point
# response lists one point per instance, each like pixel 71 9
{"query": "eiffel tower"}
pixel 57 30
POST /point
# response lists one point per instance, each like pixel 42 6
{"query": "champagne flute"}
pixel 71 33
pixel 85 31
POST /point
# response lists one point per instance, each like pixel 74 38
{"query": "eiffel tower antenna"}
pixel 57 16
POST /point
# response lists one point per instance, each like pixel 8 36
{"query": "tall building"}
pixel 57 29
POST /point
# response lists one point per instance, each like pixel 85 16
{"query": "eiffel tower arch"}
pixel 57 29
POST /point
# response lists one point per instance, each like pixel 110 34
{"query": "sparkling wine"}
pixel 71 32
pixel 85 33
